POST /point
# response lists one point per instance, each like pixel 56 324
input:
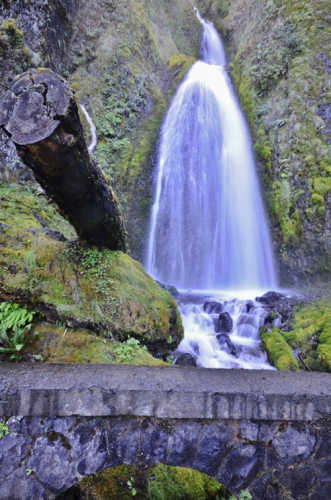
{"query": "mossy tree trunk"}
pixel 40 115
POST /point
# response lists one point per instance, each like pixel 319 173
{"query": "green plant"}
pixel 244 495
pixel 127 350
pixel 3 430
pixel 14 322
pixel 28 472
pixel 130 484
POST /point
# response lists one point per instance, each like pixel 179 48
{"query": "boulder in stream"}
pixel 212 307
pixel 224 323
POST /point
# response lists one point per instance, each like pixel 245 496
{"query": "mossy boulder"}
pixel 279 352
pixel 311 335
pixel 103 291
pixel 307 345
pixel 59 344
pixel 156 482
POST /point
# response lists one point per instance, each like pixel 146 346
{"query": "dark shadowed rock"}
pixel 226 344
pixel 213 307
pixel 249 306
pixel 224 323
pixel 184 359
pixel 270 298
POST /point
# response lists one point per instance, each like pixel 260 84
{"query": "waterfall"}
pixel 208 232
pixel 93 130
pixel 208 226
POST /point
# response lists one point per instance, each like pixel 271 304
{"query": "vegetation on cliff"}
pixel 280 70
pixel 307 345
pixel 126 74
pixel 106 292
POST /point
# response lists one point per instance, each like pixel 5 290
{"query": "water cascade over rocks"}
pixel 208 228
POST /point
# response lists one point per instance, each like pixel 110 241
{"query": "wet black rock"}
pixel 184 359
pixel 226 344
pixel 279 309
pixel 249 306
pixel 224 323
pixel 270 298
pixel 213 307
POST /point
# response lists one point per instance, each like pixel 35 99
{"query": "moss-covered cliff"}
pixel 124 60
pixel 280 67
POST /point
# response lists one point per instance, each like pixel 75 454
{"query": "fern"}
pixel 14 322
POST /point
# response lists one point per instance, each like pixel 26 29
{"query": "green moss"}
pixel 23 207
pixel 317 199
pixel 15 35
pixel 108 291
pixel 180 64
pixel 279 352
pixel 66 345
pixel 158 482
pixel 311 333
pixel 282 204
pixel 182 483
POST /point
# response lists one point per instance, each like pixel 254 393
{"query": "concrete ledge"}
pixel 165 393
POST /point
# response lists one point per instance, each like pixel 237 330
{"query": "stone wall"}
pixel 267 431
pixel 42 457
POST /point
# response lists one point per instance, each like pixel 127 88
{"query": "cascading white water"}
pixel 208 227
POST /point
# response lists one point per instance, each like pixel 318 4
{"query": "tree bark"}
pixel 40 115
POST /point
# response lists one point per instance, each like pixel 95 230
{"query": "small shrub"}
pixel 128 349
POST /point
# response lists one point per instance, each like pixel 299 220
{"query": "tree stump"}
pixel 40 115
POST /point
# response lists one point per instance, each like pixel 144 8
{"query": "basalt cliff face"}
pixel 125 60
pixel 280 67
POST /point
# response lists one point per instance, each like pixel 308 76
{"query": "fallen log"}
pixel 40 115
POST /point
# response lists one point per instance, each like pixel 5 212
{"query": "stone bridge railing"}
pixel 268 431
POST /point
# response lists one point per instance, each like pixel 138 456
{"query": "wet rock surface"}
pixel 280 308
pixel 212 307
pixel 226 344
pixel 224 323
pixel 184 359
